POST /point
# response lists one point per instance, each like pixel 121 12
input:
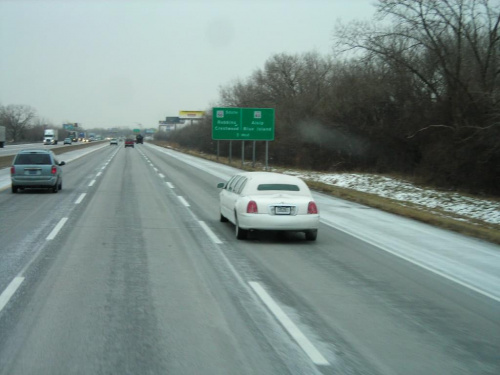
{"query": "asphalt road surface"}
pixel 127 270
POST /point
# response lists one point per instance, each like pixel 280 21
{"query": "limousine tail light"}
pixel 312 208
pixel 252 207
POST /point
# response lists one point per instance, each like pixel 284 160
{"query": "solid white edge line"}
pixel 80 198
pixel 439 273
pixel 57 228
pixel 418 264
pixel 290 326
pixel 92 183
pixel 183 201
pixel 209 232
pixel 9 291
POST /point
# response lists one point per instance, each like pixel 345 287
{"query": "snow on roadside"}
pixel 468 207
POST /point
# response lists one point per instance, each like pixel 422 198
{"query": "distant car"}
pixel 129 143
pixel 113 141
pixel 268 201
pixel 36 169
pixel 67 141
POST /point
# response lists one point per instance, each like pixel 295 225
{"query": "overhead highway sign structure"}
pixel 243 124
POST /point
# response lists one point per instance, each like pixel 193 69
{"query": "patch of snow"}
pixel 403 191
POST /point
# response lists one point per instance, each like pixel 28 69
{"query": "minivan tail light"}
pixel 312 208
pixel 53 170
pixel 12 170
pixel 252 207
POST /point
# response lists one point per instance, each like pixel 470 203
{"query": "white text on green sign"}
pixel 243 124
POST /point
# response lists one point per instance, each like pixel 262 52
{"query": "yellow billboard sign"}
pixel 191 114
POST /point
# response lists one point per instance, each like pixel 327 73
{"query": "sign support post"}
pixel 242 154
pixel 253 155
pixel 267 153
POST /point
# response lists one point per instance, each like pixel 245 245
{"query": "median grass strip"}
pixel 6 161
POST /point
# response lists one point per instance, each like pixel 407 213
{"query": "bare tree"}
pixel 450 46
pixel 446 55
pixel 421 96
pixel 36 130
pixel 17 119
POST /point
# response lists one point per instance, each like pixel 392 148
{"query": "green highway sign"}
pixel 244 124
pixel 137 130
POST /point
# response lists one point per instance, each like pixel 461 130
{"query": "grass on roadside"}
pixel 434 216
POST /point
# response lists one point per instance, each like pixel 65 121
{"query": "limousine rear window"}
pixel 286 187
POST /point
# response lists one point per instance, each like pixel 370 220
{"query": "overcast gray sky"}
pixel 120 63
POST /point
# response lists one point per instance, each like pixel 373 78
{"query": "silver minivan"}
pixel 36 169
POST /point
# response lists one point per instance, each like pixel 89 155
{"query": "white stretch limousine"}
pixel 268 201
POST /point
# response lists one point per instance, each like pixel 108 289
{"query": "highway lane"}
pixel 406 311
pixel 126 287
pixel 13 149
pixel 143 276
pixel 28 217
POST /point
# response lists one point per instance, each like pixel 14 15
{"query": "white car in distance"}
pixel 268 201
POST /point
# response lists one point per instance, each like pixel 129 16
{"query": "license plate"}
pixel 282 210
pixel 33 172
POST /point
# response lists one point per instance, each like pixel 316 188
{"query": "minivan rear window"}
pixel 24 159
pixel 286 187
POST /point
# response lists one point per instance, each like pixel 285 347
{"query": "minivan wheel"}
pixel 55 188
pixel 14 189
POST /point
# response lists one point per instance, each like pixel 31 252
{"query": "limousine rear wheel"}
pixel 241 234
pixel 311 234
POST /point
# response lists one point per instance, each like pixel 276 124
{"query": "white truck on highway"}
pixel 2 136
pixel 50 137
